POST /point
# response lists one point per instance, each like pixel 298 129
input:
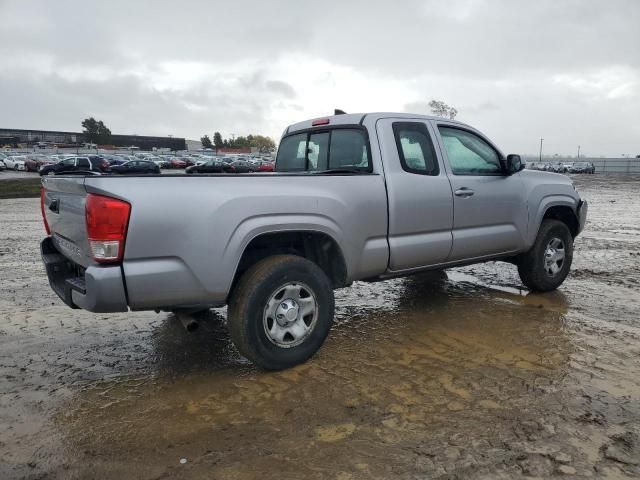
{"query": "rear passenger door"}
pixel 419 194
pixel 489 207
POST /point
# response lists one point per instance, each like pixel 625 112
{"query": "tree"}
pixel 90 131
pixel 96 131
pixel 206 142
pixel 264 144
pixel 217 140
pixel 441 109
pixel 104 134
pixel 259 142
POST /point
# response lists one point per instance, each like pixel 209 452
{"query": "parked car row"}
pixel 563 167
pixel 138 163
pixel 231 165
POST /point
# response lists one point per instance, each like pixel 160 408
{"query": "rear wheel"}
pixel 545 266
pixel 281 311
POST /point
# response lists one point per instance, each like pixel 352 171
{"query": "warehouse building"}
pixel 15 137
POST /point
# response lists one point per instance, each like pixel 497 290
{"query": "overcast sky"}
pixel 565 70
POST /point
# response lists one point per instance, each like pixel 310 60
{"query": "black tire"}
pixel 246 312
pixel 531 265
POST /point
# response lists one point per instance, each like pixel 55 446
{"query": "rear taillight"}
pixel 44 217
pixel 107 221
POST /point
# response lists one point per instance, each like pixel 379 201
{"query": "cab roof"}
pixel 359 119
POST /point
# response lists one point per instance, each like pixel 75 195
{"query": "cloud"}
pixel 516 69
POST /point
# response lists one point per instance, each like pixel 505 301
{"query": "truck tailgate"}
pixel 64 208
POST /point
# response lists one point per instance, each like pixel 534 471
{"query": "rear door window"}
pixel 415 148
pixel 334 149
pixel 83 163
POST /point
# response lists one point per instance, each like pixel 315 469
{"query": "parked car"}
pixel 354 197
pixel 265 167
pixel 188 161
pixel 15 162
pixel 136 166
pixel 2 165
pixel 92 163
pixel 238 165
pixel 33 163
pixel 557 168
pixel 162 163
pixel 114 159
pixel 202 159
pixel 175 162
pixel 210 166
pixel 582 167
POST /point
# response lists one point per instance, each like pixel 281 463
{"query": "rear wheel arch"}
pixel 318 247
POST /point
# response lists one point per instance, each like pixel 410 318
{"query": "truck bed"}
pixel 187 233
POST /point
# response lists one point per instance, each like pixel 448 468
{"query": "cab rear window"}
pixel 334 149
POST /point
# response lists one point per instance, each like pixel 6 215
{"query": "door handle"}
pixel 464 192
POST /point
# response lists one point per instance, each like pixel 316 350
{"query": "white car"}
pixel 15 163
pixel 2 165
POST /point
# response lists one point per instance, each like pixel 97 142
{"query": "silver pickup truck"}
pixel 354 197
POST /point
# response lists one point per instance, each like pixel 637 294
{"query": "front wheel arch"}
pixel 564 214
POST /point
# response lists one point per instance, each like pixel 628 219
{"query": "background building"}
pixel 14 137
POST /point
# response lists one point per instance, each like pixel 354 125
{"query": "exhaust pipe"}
pixel 188 322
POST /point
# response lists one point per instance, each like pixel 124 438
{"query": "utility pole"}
pixel 541 140
pixel 578 152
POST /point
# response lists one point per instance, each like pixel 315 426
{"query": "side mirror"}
pixel 514 163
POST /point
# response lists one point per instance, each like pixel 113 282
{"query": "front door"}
pixel 489 207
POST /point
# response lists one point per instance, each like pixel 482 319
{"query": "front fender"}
pixel 547 202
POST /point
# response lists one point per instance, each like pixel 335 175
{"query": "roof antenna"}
pixel 337 111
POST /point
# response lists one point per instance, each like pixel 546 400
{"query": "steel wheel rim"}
pixel 290 314
pixel 554 256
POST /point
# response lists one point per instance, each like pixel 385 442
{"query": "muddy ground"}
pixel 456 375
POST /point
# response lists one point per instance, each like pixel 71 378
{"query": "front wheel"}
pixel 281 311
pixel 545 266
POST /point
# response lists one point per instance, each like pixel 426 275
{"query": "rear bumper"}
pixel 96 289
pixel 583 208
